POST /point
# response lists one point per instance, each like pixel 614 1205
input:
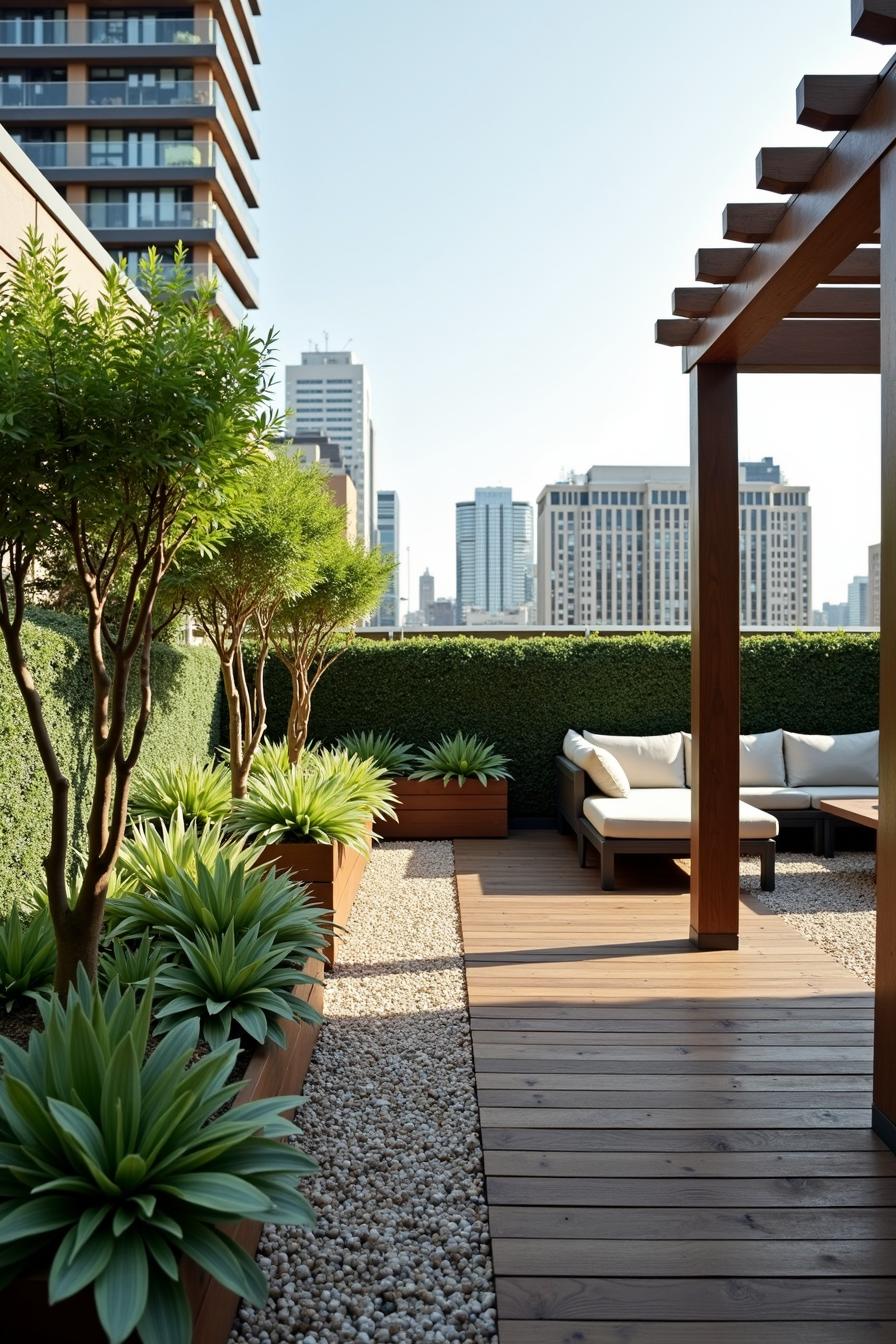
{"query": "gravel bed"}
pixel 830 901
pixel 401 1247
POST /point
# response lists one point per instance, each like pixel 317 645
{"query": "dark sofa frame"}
pixel 573 787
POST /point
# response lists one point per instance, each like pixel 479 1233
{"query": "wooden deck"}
pixel 676 1143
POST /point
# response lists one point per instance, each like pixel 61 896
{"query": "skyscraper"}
pixel 857 600
pixel 613 549
pixel 427 593
pixel 494 551
pixel 329 393
pixel 389 610
pixel 142 116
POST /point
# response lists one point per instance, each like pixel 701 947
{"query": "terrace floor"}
pixel 676 1143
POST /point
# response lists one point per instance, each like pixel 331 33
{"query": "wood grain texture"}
pixel 677 1144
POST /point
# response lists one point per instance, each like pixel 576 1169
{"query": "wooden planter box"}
pixel 24 1309
pixel 332 872
pixel 428 809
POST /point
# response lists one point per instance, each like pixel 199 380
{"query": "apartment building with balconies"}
pixel 143 117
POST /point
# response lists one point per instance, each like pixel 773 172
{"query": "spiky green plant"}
pixel 302 806
pixel 366 782
pixel 200 790
pixel 220 894
pixel 231 983
pixel 462 757
pixel 132 964
pixel 393 757
pixel 151 854
pixel 27 954
pixel 116 1163
pixel 270 758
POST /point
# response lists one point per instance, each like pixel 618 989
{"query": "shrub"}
pixel 199 791
pixel 132 965
pixel 117 1162
pixel 365 781
pixel 393 757
pixel 231 982
pixel 27 954
pixel 150 854
pixel 302 806
pixel 270 758
pixel 460 757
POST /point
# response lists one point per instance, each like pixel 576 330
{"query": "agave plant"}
pixel 460 757
pixel 271 758
pixel 132 964
pixel 27 954
pixel 300 806
pixel 116 1163
pixel 394 758
pixel 200 790
pixel 230 982
pixel 219 895
pixel 151 855
pixel 366 782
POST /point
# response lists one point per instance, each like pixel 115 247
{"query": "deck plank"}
pixel 677 1145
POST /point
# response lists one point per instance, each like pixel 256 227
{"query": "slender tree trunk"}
pixel 299 716
pixel 239 768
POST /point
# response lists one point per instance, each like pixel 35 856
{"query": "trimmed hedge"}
pixel 185 722
pixel 523 694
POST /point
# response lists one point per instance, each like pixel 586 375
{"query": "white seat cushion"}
pixel 649 762
pixel 664 814
pixel 761 759
pixel 601 767
pixel 776 800
pixel 815 759
pixel 844 791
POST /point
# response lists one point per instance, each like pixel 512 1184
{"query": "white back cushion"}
pixel 602 768
pixel 761 759
pixel 649 762
pixel 814 758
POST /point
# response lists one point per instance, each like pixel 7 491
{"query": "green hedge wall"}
pixel 185 722
pixel 523 694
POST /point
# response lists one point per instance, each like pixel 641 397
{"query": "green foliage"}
pixel 132 964
pixel 302 806
pixel 461 757
pixel 232 982
pixel 27 954
pixel 217 895
pixel 365 782
pixel 152 854
pixel 116 1162
pixel 198 790
pixel 393 757
pixel 350 581
pixel 184 723
pixel 523 694
pixel 271 758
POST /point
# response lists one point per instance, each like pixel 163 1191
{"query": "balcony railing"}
pixel 139 30
pixel 226 295
pixel 140 215
pixel 105 93
pixel 121 154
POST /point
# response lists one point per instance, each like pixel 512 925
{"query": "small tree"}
pixel 270 555
pixel 310 632
pixel 126 429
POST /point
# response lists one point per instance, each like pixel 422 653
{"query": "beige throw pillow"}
pixel 655 762
pixel 601 766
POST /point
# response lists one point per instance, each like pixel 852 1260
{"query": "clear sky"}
pixel 493 199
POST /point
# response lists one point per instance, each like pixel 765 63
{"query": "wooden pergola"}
pixel 811 289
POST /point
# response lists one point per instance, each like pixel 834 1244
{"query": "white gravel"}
pixel 830 901
pixel 401 1247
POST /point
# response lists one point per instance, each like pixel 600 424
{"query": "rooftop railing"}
pixel 138 30
pixel 105 93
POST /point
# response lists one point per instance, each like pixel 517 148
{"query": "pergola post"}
pixel 715 657
pixel 884 1114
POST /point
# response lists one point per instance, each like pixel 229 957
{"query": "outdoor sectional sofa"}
pixel 631 795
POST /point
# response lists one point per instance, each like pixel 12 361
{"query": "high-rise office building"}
pixel 329 393
pixel 142 115
pixel 494 551
pixel 874 584
pixel 427 593
pixel 389 610
pixel 613 549
pixel 857 600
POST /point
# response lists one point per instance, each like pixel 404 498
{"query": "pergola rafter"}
pixel 804 293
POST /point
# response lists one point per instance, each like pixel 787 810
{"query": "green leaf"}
pixel 34 1216
pixel 167 1318
pixel 121 1289
pixel 220 1194
pixel 226 1262
pixel 73 1269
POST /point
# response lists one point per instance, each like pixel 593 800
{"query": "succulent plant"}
pixel 27 954
pixel 393 757
pixel 199 790
pixel 302 805
pixel 460 757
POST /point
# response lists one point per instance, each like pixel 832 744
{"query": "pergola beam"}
pixel 875 20
pixel 696 301
pixel 797 346
pixel 751 222
pixel 821 226
pixel 788 170
pixel 833 102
